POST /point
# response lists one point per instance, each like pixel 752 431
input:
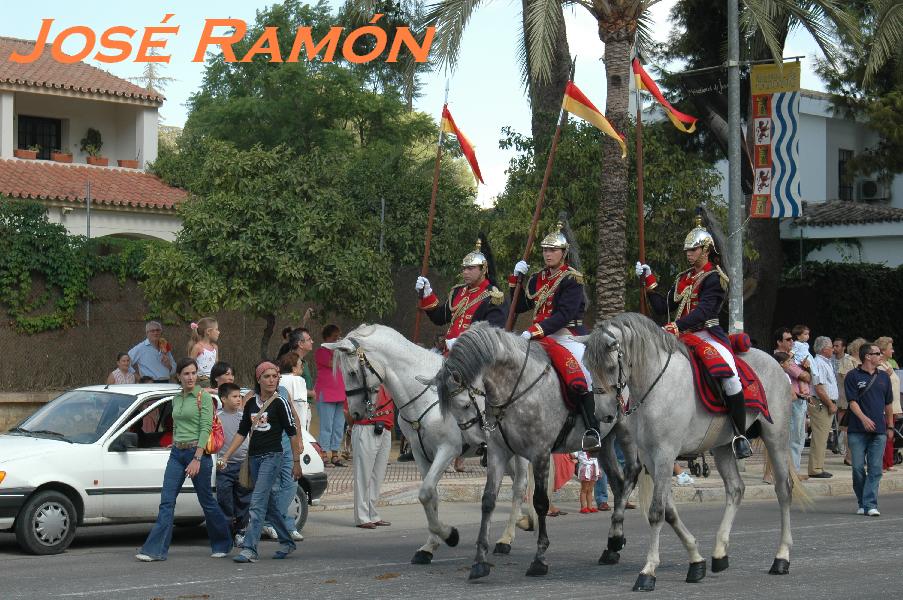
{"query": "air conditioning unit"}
pixel 868 190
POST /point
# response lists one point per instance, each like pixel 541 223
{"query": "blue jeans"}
pixel 232 498
pixel 159 538
pixel 332 425
pixel 288 483
pixel 265 470
pixel 798 408
pixel 866 452
pixel 601 487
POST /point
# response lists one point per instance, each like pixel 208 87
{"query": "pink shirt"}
pixel 800 388
pixel 329 387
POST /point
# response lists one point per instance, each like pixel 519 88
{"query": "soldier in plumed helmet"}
pixel 557 297
pixel 695 302
pixel 477 299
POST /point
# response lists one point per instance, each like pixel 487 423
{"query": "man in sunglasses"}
pixel 870 396
pixel 799 381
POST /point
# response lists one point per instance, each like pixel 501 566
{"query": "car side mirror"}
pixel 124 442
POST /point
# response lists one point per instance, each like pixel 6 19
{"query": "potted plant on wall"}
pixel 58 155
pixel 29 153
pixel 128 163
pixel 91 145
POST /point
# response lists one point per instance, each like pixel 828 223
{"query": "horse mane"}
pixel 639 337
pixel 473 351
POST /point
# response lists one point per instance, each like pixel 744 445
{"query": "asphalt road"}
pixel 837 554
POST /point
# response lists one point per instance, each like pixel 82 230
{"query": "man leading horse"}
pixel 695 301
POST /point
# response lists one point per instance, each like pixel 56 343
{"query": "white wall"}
pixel 116 222
pixel 812 158
pixel 126 129
pixel 885 250
pixel 7 125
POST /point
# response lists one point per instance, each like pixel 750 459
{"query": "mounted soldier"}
pixel 695 301
pixel 477 299
pixel 558 299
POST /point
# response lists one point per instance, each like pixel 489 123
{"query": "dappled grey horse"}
pixel 666 420
pixel 525 412
pixel 374 355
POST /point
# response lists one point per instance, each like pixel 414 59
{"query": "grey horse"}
pixel 374 355
pixel 525 411
pixel 666 420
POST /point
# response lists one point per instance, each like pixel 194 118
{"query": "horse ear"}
pixel 581 339
pixel 609 340
pixel 343 345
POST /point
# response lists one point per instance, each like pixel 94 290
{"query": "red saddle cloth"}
pixel 570 375
pixel 708 366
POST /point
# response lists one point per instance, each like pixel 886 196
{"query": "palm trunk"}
pixel 611 241
pixel 270 320
pixel 545 97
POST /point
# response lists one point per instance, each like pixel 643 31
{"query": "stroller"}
pixel 898 441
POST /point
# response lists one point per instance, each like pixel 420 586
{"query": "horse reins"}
pixel 626 408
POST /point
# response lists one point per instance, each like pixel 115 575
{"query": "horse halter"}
pixel 480 417
pixel 624 407
pixel 364 365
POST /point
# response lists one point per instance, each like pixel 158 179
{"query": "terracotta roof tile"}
pixel 842 212
pixel 48 73
pixel 45 180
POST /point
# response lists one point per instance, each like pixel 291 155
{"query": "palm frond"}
pixel 542 23
pixel 887 40
pixel 645 38
pixel 450 17
pixel 761 17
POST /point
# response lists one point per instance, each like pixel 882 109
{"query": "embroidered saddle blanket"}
pixel 708 365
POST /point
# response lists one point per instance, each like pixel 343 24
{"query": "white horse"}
pixel 666 420
pixel 374 355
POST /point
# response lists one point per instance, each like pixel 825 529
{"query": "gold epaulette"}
pixel 577 275
pixel 495 295
pixel 722 276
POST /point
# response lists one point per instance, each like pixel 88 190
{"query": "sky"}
pixel 485 92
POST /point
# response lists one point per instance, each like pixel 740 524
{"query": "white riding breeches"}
pixel 730 385
pixel 563 337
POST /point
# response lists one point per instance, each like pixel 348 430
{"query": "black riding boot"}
pixel 587 404
pixel 737 407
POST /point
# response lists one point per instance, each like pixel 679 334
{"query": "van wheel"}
pixel 46 524
pixel 298 508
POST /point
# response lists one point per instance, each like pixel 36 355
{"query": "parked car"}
pixel 96 456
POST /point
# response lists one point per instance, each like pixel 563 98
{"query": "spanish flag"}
pixel 579 105
pixel 448 126
pixel 685 123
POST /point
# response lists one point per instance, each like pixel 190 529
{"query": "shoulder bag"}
pixel 845 421
pixel 217 437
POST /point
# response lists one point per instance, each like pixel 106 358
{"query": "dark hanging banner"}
pixel 708 91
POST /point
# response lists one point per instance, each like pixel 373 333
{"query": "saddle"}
pixel 708 366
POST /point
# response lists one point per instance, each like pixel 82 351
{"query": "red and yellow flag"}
pixel 576 103
pixel 684 122
pixel 448 126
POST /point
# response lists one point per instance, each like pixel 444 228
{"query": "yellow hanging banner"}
pixel 772 79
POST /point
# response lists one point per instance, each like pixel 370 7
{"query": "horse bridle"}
pixel 624 407
pixel 369 391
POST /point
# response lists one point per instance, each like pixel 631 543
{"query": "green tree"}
pixel 264 234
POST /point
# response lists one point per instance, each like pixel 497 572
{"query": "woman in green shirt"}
pixel 192 415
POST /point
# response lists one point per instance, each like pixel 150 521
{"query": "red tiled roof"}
pixel 45 180
pixel 48 73
pixel 843 212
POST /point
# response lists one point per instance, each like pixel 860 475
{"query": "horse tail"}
pixel 798 494
pixel 645 488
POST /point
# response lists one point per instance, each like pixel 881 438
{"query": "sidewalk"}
pixel 403 482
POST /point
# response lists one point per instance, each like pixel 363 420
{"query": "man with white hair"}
pixel 822 405
pixel 152 357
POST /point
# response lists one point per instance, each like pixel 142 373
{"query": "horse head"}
pixel 362 379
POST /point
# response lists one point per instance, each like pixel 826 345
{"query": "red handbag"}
pixel 217 437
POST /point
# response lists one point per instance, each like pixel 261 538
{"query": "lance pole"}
pixel 428 237
pixel 518 287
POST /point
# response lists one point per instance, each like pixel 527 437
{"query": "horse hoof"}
pixel 617 543
pixel 609 558
pixel 501 548
pixel 696 572
pixel 719 564
pixel 644 583
pixel 537 569
pixel 453 538
pixel 780 567
pixel 478 570
pixel 422 557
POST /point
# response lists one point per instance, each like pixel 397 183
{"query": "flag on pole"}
pixel 580 106
pixel 682 121
pixel 448 126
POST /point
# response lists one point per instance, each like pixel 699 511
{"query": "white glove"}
pixel 423 285
pixel 521 268
pixel 527 335
pixel 642 270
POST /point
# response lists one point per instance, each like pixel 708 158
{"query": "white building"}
pixel 47 106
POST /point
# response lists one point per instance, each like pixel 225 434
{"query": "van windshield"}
pixel 78 417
